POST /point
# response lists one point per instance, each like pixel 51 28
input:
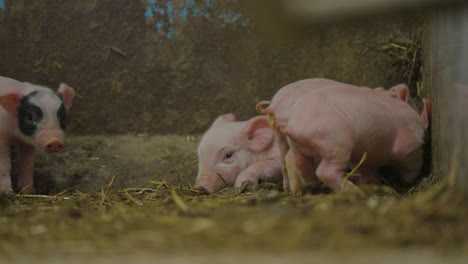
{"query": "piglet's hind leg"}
pixel 331 173
pixel 5 167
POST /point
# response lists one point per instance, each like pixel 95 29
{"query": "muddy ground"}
pixel 121 199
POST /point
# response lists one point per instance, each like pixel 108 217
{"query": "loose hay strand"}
pixel 159 183
pixel 222 179
pixel 130 197
pixel 105 194
pixel 119 51
pixel 35 196
pixel 62 192
pixel 353 170
pixel 178 201
pixel 27 186
pixel 140 189
pixel 271 121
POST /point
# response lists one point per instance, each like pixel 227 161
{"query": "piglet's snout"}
pixel 205 184
pixel 201 188
pixel 51 140
pixel 54 146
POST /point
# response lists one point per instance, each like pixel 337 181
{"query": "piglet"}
pixel 278 112
pixel 337 125
pixel 34 117
pixel 285 98
pixel 232 152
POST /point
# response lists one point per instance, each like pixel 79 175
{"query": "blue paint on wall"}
pixel 173 35
pixel 2 4
pixel 245 22
pixel 170 15
pixel 159 25
pixel 229 17
pixel 159 10
pixel 152 8
pixel 189 3
pixel 199 12
pixel 183 12
pixel 165 14
pixel 210 3
pixel 149 8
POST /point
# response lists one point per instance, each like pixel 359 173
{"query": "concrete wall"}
pixel 172 66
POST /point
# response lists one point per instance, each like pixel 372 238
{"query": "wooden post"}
pixel 446 83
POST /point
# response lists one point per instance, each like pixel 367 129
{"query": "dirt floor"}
pixel 102 203
pixel 90 162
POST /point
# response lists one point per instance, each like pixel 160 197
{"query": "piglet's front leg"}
pixel 266 170
pixel 5 167
pixel 25 162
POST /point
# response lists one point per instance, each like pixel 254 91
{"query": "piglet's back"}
pixel 357 104
pixel 370 119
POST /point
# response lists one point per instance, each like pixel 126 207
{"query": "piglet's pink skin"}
pixel 33 117
pixel 335 126
pixel 279 108
pixel 285 98
pixel 232 152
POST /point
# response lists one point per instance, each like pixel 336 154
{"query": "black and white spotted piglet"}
pixel 34 117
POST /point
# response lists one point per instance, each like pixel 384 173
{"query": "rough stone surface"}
pixel 171 67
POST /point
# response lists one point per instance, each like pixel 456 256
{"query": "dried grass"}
pixel 171 217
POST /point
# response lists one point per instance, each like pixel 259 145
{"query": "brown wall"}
pixel 131 78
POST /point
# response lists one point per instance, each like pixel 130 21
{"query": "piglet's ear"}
pixel 401 92
pixel 68 94
pixel 225 118
pixel 9 102
pixel 426 113
pixel 258 133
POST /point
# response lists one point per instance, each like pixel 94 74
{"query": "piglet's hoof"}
pixel 5 188
pixel 248 186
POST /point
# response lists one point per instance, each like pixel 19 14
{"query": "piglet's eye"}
pixel 228 155
pixel 31 119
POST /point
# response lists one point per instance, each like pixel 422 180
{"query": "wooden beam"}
pixel 446 83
